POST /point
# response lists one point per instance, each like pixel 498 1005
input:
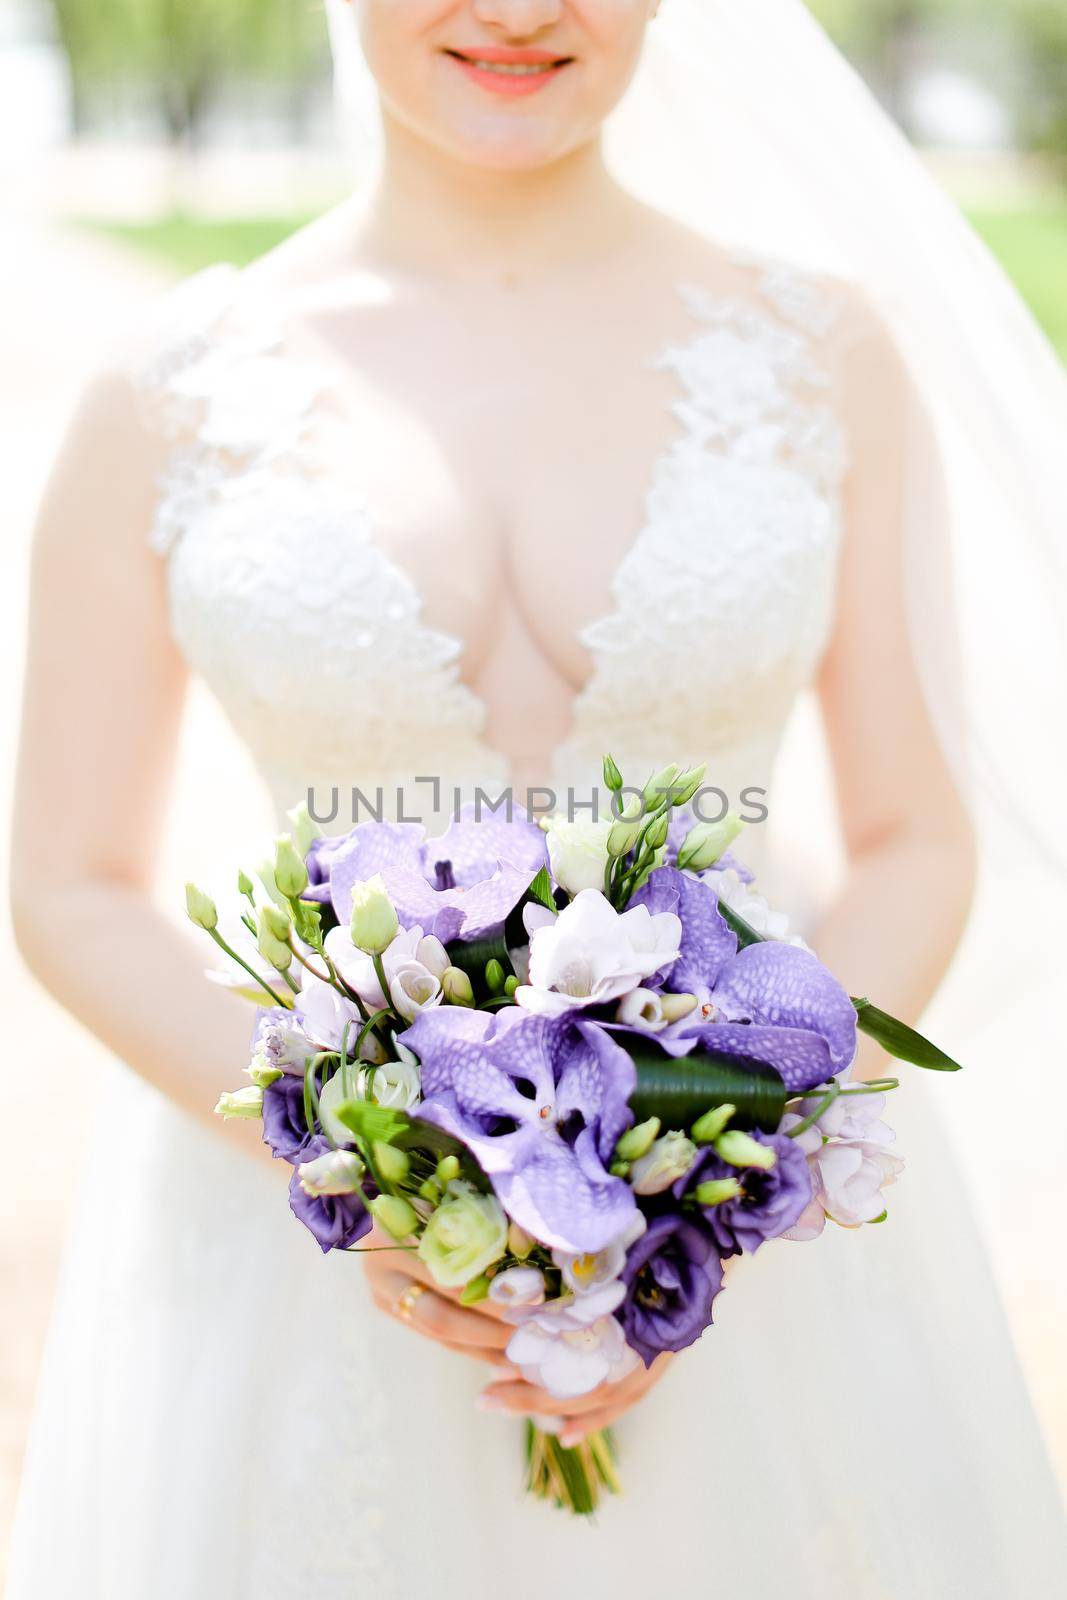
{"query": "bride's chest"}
pixel 428 523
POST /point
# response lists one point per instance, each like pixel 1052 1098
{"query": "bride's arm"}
pixel 892 930
pixel 103 695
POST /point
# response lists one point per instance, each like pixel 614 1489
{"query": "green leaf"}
pixel 745 934
pixel 900 1041
pixel 541 890
pixel 372 1123
pixel 368 1123
pixel 679 1090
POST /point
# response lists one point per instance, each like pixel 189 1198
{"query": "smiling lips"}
pixel 509 72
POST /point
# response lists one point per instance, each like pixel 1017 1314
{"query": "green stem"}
pixel 822 1105
pixel 380 972
pixel 287 1005
pixel 369 1027
pixel 323 977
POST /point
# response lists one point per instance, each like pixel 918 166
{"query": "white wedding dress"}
pixel 223 1414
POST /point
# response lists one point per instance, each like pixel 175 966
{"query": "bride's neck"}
pixel 434 215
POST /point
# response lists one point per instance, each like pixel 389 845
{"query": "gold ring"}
pixel 405 1304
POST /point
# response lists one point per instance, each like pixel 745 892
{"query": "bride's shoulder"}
pixel 225 304
pixel 828 309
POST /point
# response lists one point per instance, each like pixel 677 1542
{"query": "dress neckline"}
pixel 279 392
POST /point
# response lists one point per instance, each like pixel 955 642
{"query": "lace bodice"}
pixel 315 642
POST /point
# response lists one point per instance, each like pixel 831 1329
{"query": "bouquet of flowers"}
pixel 576 1065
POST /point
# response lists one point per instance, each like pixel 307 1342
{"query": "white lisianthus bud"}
pixel 612 775
pixel 578 852
pixel 704 844
pixel 273 950
pixel 457 987
pixel 741 1150
pixel 656 834
pixel 718 1190
pixel 374 920
pixel 305 829
pixel 395 1215
pixel 265 874
pixel 520 1243
pixel 688 783
pixel 466 1234
pixel 676 1006
pixel 290 873
pixel 334 1172
pixel 201 908
pixel 668 1160
pixel 637 1141
pixel 277 923
pixel 393 1164
pixel 708 1127
pixel 626 828
pixel 518 1286
pixel 242 1103
pixel 661 783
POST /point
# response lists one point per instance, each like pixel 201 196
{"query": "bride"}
pixel 477 477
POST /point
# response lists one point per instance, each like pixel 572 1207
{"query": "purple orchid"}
pixel 770 1002
pixel 336 1220
pixel 540 1103
pixel 460 885
pixel 672 1275
pixel 771 1200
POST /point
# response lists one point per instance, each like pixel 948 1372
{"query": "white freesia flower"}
pixel 853 1116
pixel 414 965
pixel 572 1345
pixel 325 1014
pixel 518 1286
pixel 851 1179
pixel 578 852
pixel 592 953
pixel 583 1274
pixel 809 1224
pixel 669 1159
pixel 642 1008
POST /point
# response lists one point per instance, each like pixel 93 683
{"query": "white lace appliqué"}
pixel 279 595
pixel 723 603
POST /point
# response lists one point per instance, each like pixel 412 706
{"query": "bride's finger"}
pixel 575 1429
pixel 526 1400
pixel 420 1307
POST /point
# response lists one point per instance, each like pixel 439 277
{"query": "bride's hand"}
pixel 588 1413
pixel 402 1287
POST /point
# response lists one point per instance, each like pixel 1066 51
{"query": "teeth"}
pixel 513 69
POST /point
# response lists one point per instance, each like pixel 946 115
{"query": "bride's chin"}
pixel 500 148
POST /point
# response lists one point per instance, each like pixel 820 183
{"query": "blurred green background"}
pixel 981 87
